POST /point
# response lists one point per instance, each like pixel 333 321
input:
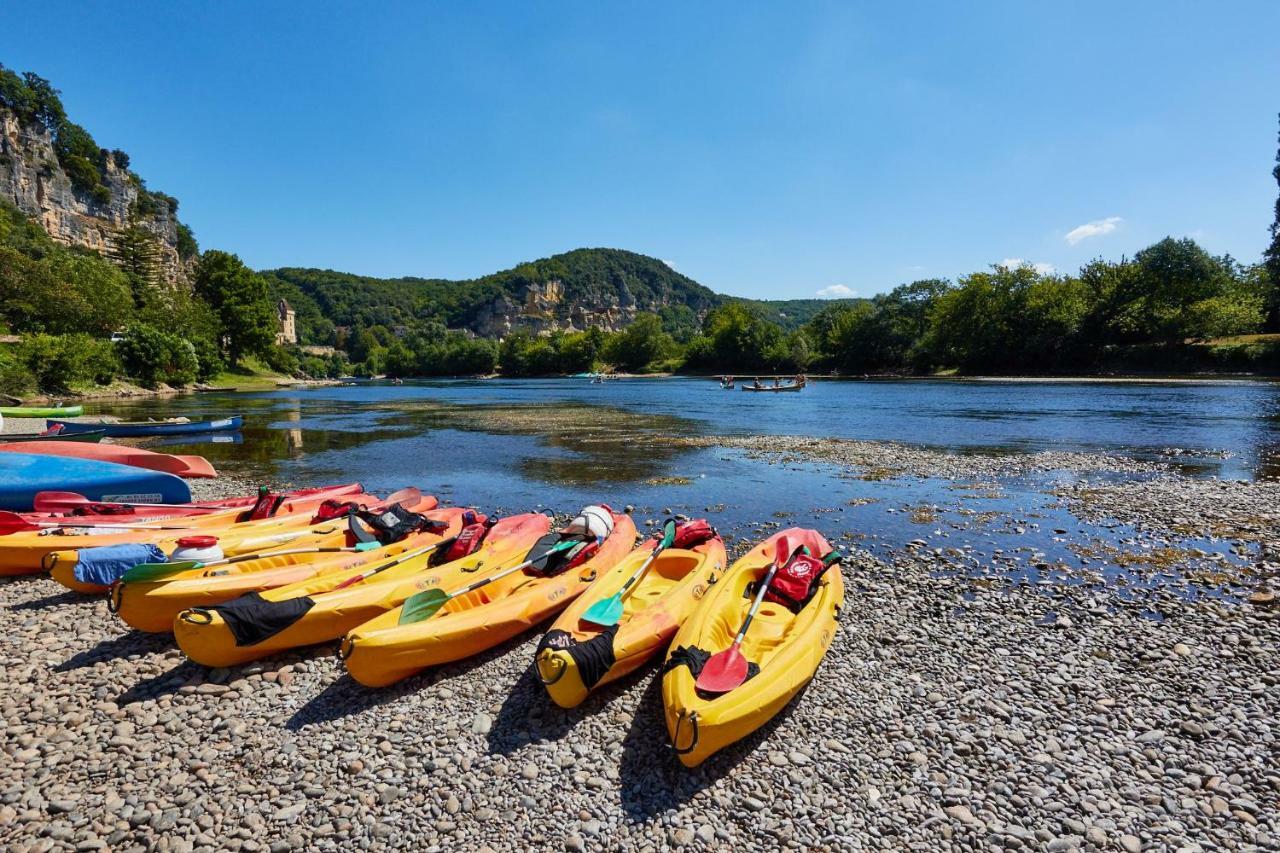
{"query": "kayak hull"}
pixel 788 647
pixel 205 637
pixel 138 429
pixel 188 467
pixel 382 651
pixel 22 475
pixel 41 411
pixel 653 611
pixel 23 438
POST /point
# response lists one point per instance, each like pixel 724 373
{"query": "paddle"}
pixel 727 669
pixel 11 522
pixel 60 501
pixel 52 501
pixel 423 605
pixel 365 575
pixel 155 571
pixel 607 611
pixel 145 572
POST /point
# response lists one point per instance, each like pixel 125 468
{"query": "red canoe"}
pixel 182 466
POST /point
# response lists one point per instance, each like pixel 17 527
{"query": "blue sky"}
pixel 767 150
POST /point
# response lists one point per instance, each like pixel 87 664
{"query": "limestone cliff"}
pixel 541 309
pixel 32 179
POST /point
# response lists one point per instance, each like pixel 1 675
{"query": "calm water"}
pixel 518 444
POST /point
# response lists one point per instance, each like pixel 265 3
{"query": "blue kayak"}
pixel 24 474
pixel 133 429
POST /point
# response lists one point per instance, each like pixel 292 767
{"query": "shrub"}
pixel 58 363
pixel 151 356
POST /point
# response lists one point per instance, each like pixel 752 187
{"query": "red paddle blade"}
pixel 783 551
pixel 723 672
pixel 11 522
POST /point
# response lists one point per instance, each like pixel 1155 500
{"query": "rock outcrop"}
pixel 542 309
pixel 32 179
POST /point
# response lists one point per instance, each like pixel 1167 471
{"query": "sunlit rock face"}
pixel 32 180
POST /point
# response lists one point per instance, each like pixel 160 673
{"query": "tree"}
pixel 640 343
pixel 1271 260
pixel 246 319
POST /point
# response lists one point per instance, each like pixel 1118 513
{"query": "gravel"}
pixel 952 712
pixel 878 460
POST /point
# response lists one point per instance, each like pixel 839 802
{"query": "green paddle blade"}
pixel 146 572
pixel 606 612
pixel 367 546
pixel 422 605
pixel 668 535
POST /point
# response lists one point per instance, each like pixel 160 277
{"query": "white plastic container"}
pixel 201 549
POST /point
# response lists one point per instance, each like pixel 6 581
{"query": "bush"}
pixel 59 363
pixel 281 360
pixel 15 379
pixel 151 356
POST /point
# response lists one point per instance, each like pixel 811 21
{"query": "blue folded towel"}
pixel 106 564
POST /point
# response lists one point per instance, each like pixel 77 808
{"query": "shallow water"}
pixel 562 443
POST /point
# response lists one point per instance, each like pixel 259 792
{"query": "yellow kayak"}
pixel 324 608
pixel 382 651
pixel 31 552
pixel 235 537
pixel 153 605
pixel 576 656
pixel 786 647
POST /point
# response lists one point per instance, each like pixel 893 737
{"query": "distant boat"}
pixel 795 385
pixel 131 429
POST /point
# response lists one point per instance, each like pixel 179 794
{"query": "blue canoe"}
pixel 24 474
pixel 131 429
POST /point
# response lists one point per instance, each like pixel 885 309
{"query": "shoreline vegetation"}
pixel 74 319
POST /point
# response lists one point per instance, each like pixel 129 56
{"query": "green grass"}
pixel 249 375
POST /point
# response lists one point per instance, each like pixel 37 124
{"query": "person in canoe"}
pixel 757 384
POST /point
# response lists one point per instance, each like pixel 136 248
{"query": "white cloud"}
pixel 836 291
pixel 672 264
pixel 1014 263
pixel 1096 228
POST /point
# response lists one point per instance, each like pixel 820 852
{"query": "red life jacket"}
pixel 793 584
pixel 475 526
pixel 266 506
pixel 333 508
pixel 693 533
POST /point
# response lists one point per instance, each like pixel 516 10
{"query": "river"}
pixel 562 443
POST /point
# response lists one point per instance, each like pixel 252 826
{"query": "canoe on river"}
pixel 22 475
pixel 792 387
pixel 41 411
pixel 136 457
pixel 126 429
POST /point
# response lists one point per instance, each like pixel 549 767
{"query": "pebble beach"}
pixel 953 711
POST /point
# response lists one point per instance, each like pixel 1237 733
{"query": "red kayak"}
pixel 54 506
pixel 182 466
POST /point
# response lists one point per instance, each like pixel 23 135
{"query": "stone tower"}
pixel 288 332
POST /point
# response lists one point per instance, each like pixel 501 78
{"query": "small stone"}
pixel 529 771
pixel 1181 649
pixel 481 724
pixel 1131 843
pixel 575 843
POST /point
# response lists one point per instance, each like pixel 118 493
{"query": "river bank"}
pixel 954 710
